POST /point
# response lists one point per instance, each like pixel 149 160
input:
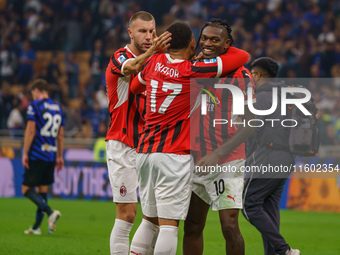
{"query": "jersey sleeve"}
pixel 143 71
pixel 221 65
pixel 119 59
pixel 231 60
pixel 31 112
pixel 205 68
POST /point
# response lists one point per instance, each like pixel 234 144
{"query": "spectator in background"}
pixel 72 32
pixel 72 70
pixel 44 36
pixel 6 99
pixel 324 121
pixel 53 76
pixel 26 61
pixel 327 35
pixel 337 53
pixel 72 120
pixel 102 99
pixel 97 63
pixel 16 44
pixel 8 63
pixel 315 19
pixel 35 29
pixel 99 149
pixel 87 25
pixel 95 117
pixel 15 121
pixel 85 130
pixel 114 24
pixel 330 135
pixel 337 124
pixel 34 5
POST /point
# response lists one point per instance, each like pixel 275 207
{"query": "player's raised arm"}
pixel 232 59
pixel 159 44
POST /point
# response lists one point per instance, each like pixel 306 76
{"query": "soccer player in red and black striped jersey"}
pixel 218 144
pixel 126 109
pixel 164 163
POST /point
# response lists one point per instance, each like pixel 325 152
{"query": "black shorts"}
pixel 40 173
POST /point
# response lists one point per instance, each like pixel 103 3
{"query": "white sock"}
pixel 119 239
pixel 166 243
pixel 142 240
pixel 153 243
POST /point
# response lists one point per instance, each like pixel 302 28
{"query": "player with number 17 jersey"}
pixel 48 117
pixel 170 90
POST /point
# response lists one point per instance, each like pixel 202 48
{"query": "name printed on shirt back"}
pixel 53 107
pixel 166 70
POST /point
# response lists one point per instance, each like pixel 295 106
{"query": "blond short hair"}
pixel 141 15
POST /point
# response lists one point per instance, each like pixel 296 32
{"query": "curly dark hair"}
pixel 217 23
pixel 181 35
pixel 267 64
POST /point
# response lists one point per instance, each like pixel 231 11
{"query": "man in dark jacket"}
pixel 267 147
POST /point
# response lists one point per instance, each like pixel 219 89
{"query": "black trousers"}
pixel 261 198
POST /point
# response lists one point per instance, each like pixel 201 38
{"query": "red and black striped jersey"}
pixel 126 109
pixel 207 137
pixel 170 98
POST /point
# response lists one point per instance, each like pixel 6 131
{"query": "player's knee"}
pixel 193 227
pixel 128 216
pixel 24 189
pixel 126 212
pixel 230 227
pixel 230 230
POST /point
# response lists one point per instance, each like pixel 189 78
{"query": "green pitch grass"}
pixel 85 228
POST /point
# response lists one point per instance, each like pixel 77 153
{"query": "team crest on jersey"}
pixel 30 110
pixel 123 190
pixel 210 61
pixel 121 59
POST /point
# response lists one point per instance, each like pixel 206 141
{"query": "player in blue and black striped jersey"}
pixel 43 150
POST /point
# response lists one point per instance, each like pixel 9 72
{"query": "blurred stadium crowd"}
pixel 69 43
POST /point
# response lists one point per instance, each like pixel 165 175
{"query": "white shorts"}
pixel 121 163
pixel 165 184
pixel 222 188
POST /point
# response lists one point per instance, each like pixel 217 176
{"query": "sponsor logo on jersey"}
pixel 123 190
pixel 210 61
pixel 121 59
pixel 47 147
pixel 30 110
